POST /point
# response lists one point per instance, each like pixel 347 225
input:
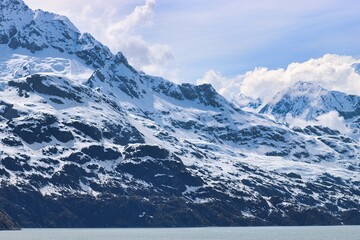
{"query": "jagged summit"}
pixel 306 86
pixel 52 17
pixel 40 30
pixel 17 13
pixel 308 101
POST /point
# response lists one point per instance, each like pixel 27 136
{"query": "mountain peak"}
pixel 21 27
pixel 48 16
pixel 304 83
pixel 303 86
pixel 13 11
pixel 300 89
pixel 120 58
pixel 308 101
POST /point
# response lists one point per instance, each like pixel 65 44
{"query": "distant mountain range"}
pixel 308 101
pixel 89 141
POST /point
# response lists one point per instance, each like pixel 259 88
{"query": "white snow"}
pixel 202 145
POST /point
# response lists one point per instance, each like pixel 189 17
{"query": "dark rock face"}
pixel 95 56
pixel 121 135
pixel 154 165
pixel 164 203
pixel 33 129
pixel 101 153
pixel 86 129
pixel 16 163
pixel 154 211
pixel 146 151
pixel 9 112
pixel 6 223
pixel 35 83
pixel 204 94
pixel 11 141
pixel 351 114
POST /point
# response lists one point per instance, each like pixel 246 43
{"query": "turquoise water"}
pixel 235 233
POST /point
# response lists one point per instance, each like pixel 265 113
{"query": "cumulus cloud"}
pixel 332 72
pixel 289 31
pixel 124 36
pixel 228 87
pixel 331 120
pixel 334 121
pixel 142 15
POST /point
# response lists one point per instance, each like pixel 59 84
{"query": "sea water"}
pixel 222 233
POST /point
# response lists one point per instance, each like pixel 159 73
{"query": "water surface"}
pixel 231 233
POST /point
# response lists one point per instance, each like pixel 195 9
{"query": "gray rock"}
pixel 7 223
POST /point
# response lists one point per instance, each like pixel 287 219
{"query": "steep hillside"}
pixel 6 223
pixel 88 141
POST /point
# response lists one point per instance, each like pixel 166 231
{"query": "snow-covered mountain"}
pixel 247 103
pixel 36 31
pixel 87 140
pixel 309 101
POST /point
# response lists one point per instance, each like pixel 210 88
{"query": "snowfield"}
pixel 78 122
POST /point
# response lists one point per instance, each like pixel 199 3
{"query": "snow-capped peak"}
pixel 308 101
pixel 300 88
pixel 303 86
pixel 47 16
pixel 39 30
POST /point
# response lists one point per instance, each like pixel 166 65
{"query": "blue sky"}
pixel 181 40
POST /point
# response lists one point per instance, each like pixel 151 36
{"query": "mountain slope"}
pixel 88 141
pixel 6 223
pixel 39 30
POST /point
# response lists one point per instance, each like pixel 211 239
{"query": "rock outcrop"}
pixel 7 223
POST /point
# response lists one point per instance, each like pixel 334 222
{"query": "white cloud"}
pixel 124 36
pixel 228 87
pixel 332 72
pixel 231 36
pixel 142 15
pixel 333 121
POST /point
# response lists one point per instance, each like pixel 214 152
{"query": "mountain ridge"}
pixel 85 136
pixel 39 30
pixel 311 103
pixel 313 97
